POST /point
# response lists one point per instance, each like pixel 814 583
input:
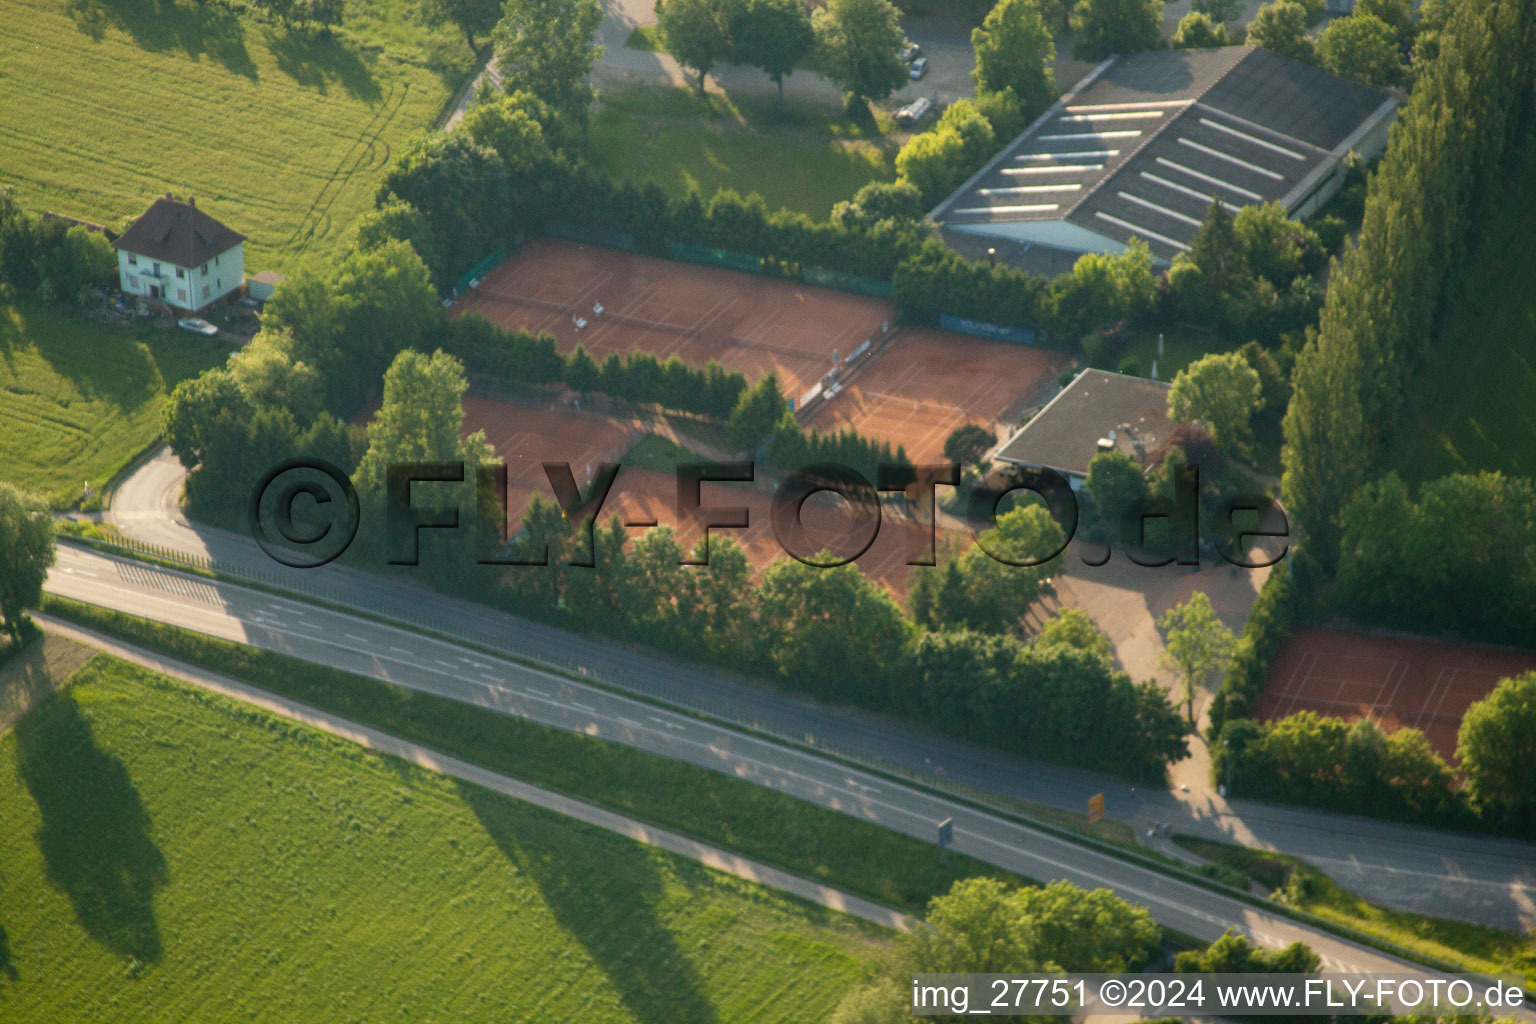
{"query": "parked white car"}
pixel 919 68
pixel 197 325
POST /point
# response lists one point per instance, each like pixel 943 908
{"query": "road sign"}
pixel 1095 807
pixel 946 832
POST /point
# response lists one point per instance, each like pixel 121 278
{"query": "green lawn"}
pixel 804 157
pixel 173 856
pixel 1472 405
pixel 281 134
pixel 803 838
pixel 1470 947
pixel 78 399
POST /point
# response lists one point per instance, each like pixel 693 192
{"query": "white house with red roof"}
pixel 179 255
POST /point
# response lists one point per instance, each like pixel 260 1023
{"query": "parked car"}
pixel 919 68
pixel 914 112
pixel 910 51
pixel 197 325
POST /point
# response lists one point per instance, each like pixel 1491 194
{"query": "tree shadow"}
pixel 95 834
pixel 608 905
pixel 7 968
pixel 318 60
pixel 122 371
pixel 199 30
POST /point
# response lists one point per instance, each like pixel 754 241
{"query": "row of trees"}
pixel 1368 46
pixel 1442 165
pixel 856 43
pixel 49 257
pixel 1360 768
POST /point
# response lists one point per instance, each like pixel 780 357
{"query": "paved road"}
pixel 394 655
pixel 1469 877
pixel 373 739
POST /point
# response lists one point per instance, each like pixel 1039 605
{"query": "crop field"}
pixel 78 400
pixel 170 855
pixel 281 134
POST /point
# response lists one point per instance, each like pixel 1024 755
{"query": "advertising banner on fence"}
pixel 983 329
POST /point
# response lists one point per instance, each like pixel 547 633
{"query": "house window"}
pixel 215 261
pixel 205 292
pixel 157 270
pixel 204 271
pixel 181 294
pixel 133 260
pixel 133 280
pixel 180 273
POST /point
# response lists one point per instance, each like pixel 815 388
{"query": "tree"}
pixel 1102 28
pixel 1361 47
pixel 421 419
pixel 967 444
pixel 757 412
pixel 1105 289
pixel 1219 11
pixel 693 31
pixel 26 553
pixel 879 201
pixel 472 17
pixel 1222 391
pixel 1236 954
pixel 1014 51
pixel 998 583
pixel 1072 627
pixel 1396 14
pixel 975 928
pixel 859 44
pixel 774 35
pixel 1196 643
pixel 1088 931
pixel 545 47
pixel 1497 750
pixel 1115 484
pixel 1197 31
pixel 1281 26
pixel 831 631
pixel 933 162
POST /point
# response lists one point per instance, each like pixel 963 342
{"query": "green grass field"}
pixel 803 838
pixel 280 134
pixel 802 157
pixel 169 855
pixel 1472 405
pixel 78 400
pixel 1471 947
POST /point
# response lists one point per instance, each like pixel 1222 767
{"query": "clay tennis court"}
pixel 927 382
pixel 1399 681
pixel 642 496
pixel 525 437
pixel 753 325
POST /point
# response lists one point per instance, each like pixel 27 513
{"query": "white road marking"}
pixel 354 636
pixel 583 707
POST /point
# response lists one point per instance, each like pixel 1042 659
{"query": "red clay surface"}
pixel 749 324
pixel 524 438
pixel 928 382
pixel 642 496
pixel 1400 682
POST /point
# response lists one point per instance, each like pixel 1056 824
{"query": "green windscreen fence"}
pixel 594 236
pixel 846 282
pixel 717 257
pixel 480 269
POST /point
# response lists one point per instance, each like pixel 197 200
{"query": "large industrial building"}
pixel 1146 142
